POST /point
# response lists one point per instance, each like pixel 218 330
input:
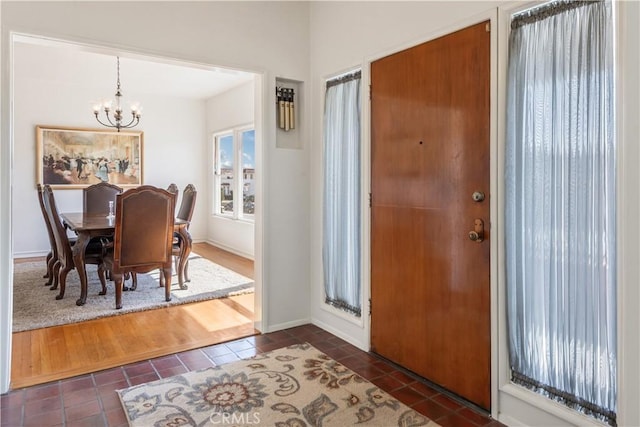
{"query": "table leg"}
pixel 78 259
pixel 185 251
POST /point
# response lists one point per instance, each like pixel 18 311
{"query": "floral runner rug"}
pixel 290 387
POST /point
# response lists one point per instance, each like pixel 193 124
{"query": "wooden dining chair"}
pixel 187 205
pixel 52 256
pixel 173 188
pixel 96 198
pixel 143 236
pixel 64 262
pixel 95 201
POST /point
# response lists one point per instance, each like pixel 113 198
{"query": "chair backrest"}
pixel 172 188
pixel 144 229
pixel 95 198
pixel 63 246
pixel 47 222
pixel 188 203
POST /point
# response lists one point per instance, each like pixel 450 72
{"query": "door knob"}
pixel 477 196
pixel 477 235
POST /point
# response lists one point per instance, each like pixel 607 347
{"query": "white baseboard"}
pixel 510 421
pixel 31 254
pixel 287 325
pixel 230 249
pixel 339 334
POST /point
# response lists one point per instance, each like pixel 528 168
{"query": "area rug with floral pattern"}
pixel 290 387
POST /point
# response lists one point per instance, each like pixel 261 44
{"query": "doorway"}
pixel 71 77
pixel 430 230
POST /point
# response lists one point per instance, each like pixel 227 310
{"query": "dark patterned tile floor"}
pixel 91 400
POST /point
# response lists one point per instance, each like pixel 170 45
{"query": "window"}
pixel 234 173
pixel 560 206
pixel 341 205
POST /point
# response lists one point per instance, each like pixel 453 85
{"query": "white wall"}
pixel 173 149
pixel 345 35
pixel 271 38
pixel 227 110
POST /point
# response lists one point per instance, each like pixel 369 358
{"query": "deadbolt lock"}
pixel 477 235
pixel 477 196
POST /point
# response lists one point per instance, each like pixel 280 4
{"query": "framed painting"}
pixel 76 158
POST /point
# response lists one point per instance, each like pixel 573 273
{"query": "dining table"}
pixel 88 226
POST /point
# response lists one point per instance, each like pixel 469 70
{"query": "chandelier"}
pixel 113 113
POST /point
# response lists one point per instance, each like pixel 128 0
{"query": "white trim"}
pixel 222 246
pixel 127 51
pixel 31 254
pixel 502 376
pixel 495 201
pixel 6 176
pixel 358 321
pixel 551 407
pixel 287 325
pixel 6 172
pixel 365 171
pixel 627 55
pixel 260 308
pixel 340 334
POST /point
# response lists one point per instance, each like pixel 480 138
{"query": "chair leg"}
pixel 134 281
pixel 55 272
pixel 62 280
pixel 186 271
pixel 167 278
pixel 103 279
pixel 48 273
pixel 117 280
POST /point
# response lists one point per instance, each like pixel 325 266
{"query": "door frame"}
pixel 495 202
pixel 261 91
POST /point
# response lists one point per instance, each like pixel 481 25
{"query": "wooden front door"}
pixel 430 282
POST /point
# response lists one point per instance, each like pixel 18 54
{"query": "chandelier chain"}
pixel 118 69
pixel 106 107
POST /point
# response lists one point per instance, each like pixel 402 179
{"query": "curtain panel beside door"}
pixel 341 246
pixel 560 209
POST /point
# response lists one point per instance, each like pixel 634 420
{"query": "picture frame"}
pixel 72 158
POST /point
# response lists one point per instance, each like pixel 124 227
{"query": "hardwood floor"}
pixel 48 354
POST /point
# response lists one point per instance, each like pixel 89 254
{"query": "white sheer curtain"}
pixel 561 205
pixel 341 202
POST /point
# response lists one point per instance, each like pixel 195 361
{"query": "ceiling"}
pixel 70 65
